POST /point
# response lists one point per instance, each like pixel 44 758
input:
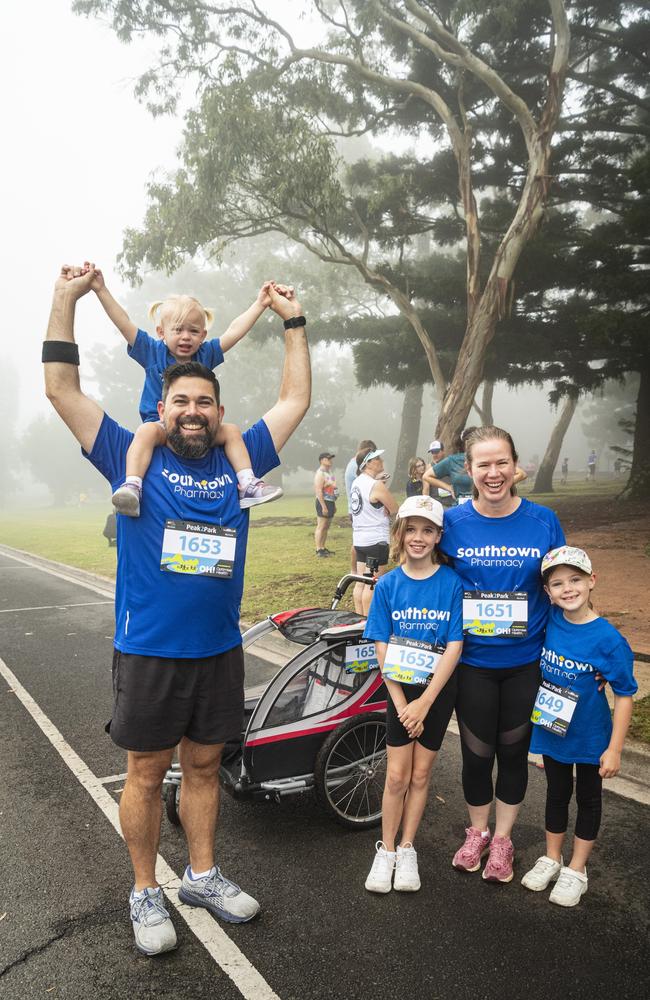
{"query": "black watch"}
pixel 294 321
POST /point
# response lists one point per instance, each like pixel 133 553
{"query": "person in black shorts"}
pixel 415 620
pixel 326 493
pixel 178 667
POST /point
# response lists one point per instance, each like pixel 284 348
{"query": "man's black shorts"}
pixel 435 724
pixel 330 508
pixel 158 700
pixel 377 551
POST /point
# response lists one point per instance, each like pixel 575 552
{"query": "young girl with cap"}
pixel 573 725
pixel 416 623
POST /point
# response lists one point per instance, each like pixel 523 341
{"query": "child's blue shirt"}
pixel 571 656
pixel 154 356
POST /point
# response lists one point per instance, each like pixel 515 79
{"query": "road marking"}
pixel 52 607
pixel 225 952
pixel 111 778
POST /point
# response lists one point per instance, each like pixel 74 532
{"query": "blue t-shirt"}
pixel 453 467
pixel 349 476
pixel 570 658
pixel 159 613
pixel 503 554
pixel 154 356
pixel 429 610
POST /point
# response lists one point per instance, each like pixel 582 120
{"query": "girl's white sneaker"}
pixel 380 876
pixel 544 871
pixel 570 887
pixel 407 877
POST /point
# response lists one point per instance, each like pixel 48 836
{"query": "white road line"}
pixel 225 952
pixel 52 607
pixel 111 778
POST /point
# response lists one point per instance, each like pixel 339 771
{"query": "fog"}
pixel 80 150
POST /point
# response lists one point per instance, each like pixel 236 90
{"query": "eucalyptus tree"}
pixel 259 152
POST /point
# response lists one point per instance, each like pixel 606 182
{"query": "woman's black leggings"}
pixel 559 789
pixel 493 710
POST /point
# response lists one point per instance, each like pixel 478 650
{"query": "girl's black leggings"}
pixel 493 710
pixel 559 789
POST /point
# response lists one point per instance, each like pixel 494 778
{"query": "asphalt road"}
pixel 64 927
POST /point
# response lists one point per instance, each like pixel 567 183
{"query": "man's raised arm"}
pixel 295 388
pixel 61 359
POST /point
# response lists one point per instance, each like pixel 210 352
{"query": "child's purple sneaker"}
pixel 257 492
pixel 126 500
pixel 499 863
pixel 468 857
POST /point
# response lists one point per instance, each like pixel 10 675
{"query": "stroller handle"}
pixel 346 581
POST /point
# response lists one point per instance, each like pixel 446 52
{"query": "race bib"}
pixel 360 659
pixel 198 549
pixel 488 613
pixel 410 661
pixel 554 708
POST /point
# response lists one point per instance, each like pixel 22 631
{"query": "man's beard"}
pixel 196 446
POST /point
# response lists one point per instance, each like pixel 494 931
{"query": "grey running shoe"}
pixel 126 500
pixel 218 895
pixel 258 492
pixel 152 926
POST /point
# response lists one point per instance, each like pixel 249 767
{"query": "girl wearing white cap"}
pixel 573 725
pixel 416 623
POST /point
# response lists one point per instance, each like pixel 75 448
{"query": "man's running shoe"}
pixel 380 875
pixel 544 871
pixel 407 876
pixel 570 887
pixel 468 857
pixel 152 926
pixel 219 895
pixel 257 492
pixel 126 500
pixel 499 863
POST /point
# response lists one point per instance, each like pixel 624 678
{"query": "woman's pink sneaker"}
pixel 499 864
pixel 468 857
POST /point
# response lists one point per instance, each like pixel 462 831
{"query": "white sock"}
pixel 133 481
pixel 194 875
pixel 140 893
pixel 244 477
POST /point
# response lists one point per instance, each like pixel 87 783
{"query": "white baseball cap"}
pixel 567 555
pixel 435 446
pixel 422 507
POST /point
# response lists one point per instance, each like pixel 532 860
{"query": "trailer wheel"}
pixel 350 771
pixel 172 804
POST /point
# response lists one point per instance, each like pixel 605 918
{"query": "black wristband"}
pixel 60 350
pixel 294 321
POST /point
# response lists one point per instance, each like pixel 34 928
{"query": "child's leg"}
pixel 559 788
pixel 253 491
pixel 572 882
pixel 148 436
pixel 589 796
pixel 418 790
pixel 398 777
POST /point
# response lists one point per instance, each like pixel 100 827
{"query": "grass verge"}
pixel 640 724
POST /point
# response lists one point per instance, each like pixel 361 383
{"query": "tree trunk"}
pixel 544 478
pixel 408 434
pixel 486 405
pixel 638 486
